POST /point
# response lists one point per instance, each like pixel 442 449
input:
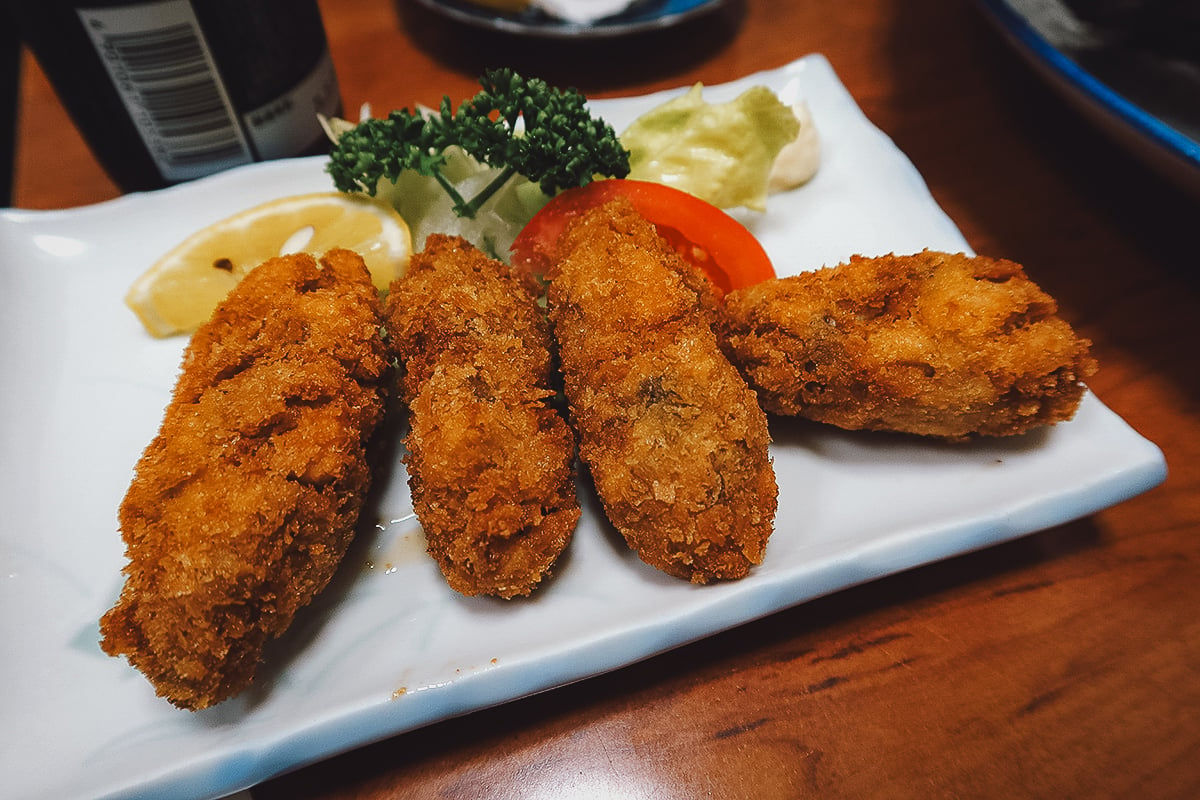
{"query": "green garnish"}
pixel 720 152
pixel 519 126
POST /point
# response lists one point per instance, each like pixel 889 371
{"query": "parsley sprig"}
pixel 520 126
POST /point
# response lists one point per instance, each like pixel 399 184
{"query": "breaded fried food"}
pixel 935 344
pixel 490 460
pixel 245 502
pixel 674 439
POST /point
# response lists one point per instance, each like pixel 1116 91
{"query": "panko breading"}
pixel 936 344
pixel 674 439
pixel 490 461
pixel 245 502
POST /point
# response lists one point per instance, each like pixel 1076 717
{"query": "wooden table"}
pixel 1064 664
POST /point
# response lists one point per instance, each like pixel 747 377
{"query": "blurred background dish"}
pixel 1131 66
pixel 639 16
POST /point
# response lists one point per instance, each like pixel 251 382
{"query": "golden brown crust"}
pixel 245 502
pixel 936 344
pixel 674 439
pixel 490 461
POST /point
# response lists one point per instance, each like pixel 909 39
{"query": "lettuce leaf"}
pixel 720 152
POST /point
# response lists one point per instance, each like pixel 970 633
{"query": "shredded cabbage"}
pixel 427 208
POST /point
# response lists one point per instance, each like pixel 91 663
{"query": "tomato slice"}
pixel 704 235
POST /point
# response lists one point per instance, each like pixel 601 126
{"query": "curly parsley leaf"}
pixel 519 126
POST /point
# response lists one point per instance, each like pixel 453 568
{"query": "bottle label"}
pixel 288 125
pixel 163 70
pixel 165 73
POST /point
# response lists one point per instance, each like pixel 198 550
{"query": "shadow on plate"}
pixel 786 638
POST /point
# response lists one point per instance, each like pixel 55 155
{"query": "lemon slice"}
pixel 180 290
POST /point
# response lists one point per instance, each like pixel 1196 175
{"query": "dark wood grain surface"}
pixel 1063 664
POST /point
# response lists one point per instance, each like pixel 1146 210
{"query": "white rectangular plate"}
pixel 389 647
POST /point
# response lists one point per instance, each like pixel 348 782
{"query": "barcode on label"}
pixel 165 74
